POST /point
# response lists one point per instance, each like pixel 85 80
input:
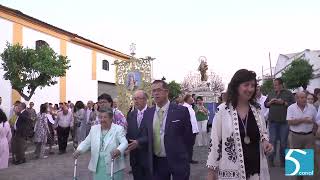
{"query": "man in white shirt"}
pixel 300 117
pixel 188 101
pixel 64 122
pixel 261 99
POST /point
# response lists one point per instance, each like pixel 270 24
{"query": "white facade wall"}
pixel 49 94
pixel 103 75
pixel 314 83
pixel 80 85
pixel 314 59
pixel 6 32
pixel 282 62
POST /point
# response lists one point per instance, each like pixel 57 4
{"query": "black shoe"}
pixel 51 152
pixel 61 152
pixel 194 162
pixel 19 162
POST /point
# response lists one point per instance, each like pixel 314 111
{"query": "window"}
pixel 40 43
pixel 105 65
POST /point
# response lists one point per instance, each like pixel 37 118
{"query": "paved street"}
pixel 60 167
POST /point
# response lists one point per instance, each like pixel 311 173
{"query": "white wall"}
pixel 103 75
pixel 314 83
pixel 49 93
pixel 314 59
pixel 80 85
pixel 6 32
pixel 281 63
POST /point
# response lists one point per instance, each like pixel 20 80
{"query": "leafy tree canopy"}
pixel 298 74
pixel 267 86
pixel 28 69
pixel 174 90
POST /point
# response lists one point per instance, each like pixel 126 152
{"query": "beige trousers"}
pixel 298 141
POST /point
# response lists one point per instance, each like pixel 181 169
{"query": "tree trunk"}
pixel 24 96
pixel 304 87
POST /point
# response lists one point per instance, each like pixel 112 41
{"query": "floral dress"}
pixel 41 128
pixel 119 119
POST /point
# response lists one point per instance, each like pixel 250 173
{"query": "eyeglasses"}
pixel 158 90
pixel 137 98
pixel 103 102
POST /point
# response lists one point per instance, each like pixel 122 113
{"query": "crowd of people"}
pixel 159 139
pixel 52 125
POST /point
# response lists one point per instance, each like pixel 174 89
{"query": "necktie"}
pixel 140 116
pixel 156 132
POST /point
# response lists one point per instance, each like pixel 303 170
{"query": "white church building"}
pixel 91 72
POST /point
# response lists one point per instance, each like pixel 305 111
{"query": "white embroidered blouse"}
pixel 225 148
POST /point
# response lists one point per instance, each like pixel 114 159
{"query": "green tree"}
pixel 267 86
pixel 174 90
pixel 298 74
pixel 27 69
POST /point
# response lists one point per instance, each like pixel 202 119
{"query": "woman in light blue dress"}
pixel 106 141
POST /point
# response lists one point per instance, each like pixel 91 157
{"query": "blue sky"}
pixel 232 34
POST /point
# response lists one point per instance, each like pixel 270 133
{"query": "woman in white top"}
pixel 239 140
pixel 106 141
pixel 5 138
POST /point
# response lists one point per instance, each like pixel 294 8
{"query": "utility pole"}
pixel 270 66
pixel 262 75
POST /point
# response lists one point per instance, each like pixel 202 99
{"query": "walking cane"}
pixel 111 169
pixel 75 170
pixel 75 165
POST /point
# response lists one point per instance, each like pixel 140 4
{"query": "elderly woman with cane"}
pixel 107 142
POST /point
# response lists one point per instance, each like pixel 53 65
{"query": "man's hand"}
pixel 272 101
pixel 133 144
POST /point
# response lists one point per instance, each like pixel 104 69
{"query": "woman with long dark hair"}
pixel 239 140
pixel 5 138
pixel 94 115
pixel 79 126
pixel 41 132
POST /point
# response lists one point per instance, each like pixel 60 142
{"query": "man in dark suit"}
pixel 137 146
pixel 168 131
pixel 22 129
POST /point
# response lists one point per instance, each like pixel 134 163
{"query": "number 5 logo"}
pixel 294 160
